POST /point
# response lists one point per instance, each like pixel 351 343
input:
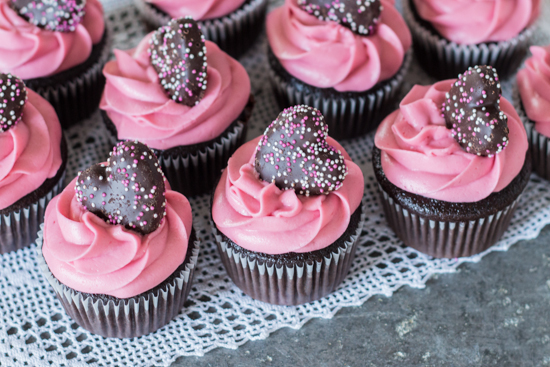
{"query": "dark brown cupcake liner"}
pixel 449 230
pixel 75 93
pixel 113 317
pixel 20 224
pixel 234 33
pixel 444 59
pixel 291 282
pixel 348 114
pixel 539 145
pixel 195 170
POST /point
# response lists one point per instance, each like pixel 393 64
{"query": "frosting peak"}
pixel 534 88
pixel 474 21
pixel 329 55
pixel 199 10
pixel 419 154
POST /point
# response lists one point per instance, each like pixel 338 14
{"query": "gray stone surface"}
pixel 494 313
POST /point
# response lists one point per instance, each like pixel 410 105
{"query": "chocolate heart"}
pixel 53 15
pixel 13 95
pixel 472 112
pixel 178 54
pixel 294 153
pixel 128 190
pixel 361 16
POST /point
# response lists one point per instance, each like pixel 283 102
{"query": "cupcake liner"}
pixel 445 59
pixel 289 284
pixel 538 144
pixel 18 228
pixel 445 239
pixel 233 33
pixel 348 114
pixel 75 93
pixel 124 318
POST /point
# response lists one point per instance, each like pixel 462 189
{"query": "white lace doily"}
pixel 35 331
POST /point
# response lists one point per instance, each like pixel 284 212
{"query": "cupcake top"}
pixel 349 53
pixel 30 141
pixel 199 10
pixel 474 21
pixel 117 229
pixel 457 140
pixel 534 88
pixel 33 46
pixel 146 103
pixel 291 190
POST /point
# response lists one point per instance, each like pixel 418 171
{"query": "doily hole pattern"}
pixel 36 331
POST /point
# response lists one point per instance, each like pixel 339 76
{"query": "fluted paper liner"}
pixel 446 239
pixel 123 318
pixel 19 229
pixel 347 114
pixel 292 284
pixel 77 98
pixel 233 33
pixel 538 143
pixel 445 59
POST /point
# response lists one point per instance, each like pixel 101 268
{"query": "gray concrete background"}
pixel 494 313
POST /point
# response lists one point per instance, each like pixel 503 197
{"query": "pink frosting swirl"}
pixel 30 152
pixel 260 217
pixel 534 88
pixel 329 55
pixel 87 254
pixel 420 156
pixel 199 10
pixel 32 52
pixel 474 21
pixel 140 109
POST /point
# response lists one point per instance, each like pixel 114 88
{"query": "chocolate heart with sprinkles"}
pixel 178 54
pixel 472 112
pixel 13 95
pixel 294 153
pixel 128 190
pixel 53 15
pixel 361 16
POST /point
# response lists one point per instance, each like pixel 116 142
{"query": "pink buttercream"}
pixel 260 217
pixel 30 152
pixel 534 88
pixel 329 55
pixel 140 109
pixel 420 156
pixel 199 10
pixel 87 254
pixel 475 21
pixel 32 52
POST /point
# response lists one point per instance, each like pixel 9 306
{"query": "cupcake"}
pixel 190 106
pixel 118 246
pixel 449 35
pixel 451 164
pixel 58 48
pixel 33 155
pixel 233 25
pixel 287 211
pixel 532 100
pixel 347 60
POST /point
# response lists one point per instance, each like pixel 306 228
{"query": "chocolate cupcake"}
pixel 449 36
pixel 58 48
pixel 118 246
pixel 452 163
pixel 193 122
pixel 33 156
pixel 532 101
pixel 287 211
pixel 234 25
pixel 347 60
